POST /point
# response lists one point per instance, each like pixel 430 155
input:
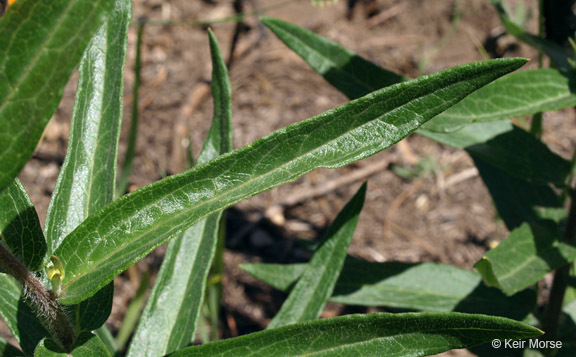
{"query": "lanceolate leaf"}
pixel 87 178
pixel 21 321
pixel 173 308
pixel 41 43
pixel 409 334
pixel 349 73
pixel 308 298
pixel 519 94
pixel 556 53
pixel 522 93
pixel 219 140
pixel 20 230
pixel 126 230
pixel 428 287
pixel 86 345
pixel 524 257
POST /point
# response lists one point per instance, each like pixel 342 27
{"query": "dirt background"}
pixel 444 214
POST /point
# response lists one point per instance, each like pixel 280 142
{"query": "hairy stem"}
pixel 554 307
pixel 40 299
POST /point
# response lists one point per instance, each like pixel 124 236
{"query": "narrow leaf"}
pixel 382 334
pixel 21 321
pixel 556 53
pixel 174 305
pixel 87 178
pixel 219 140
pixel 86 345
pixel 41 43
pixel 20 230
pixel 429 287
pixel 518 201
pixel 519 94
pixel 126 230
pixel 175 301
pixel 308 298
pixel 349 73
pixel 7 350
pixel 524 257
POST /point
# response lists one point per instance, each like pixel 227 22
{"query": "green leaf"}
pixel 518 201
pixel 41 43
pixel 126 230
pixel 522 93
pixel 21 321
pixel 381 334
pixel 7 350
pixel 87 178
pixel 86 345
pixel 308 298
pixel 174 305
pixel 556 53
pixel 20 230
pixel 524 257
pixel 92 313
pixel 175 301
pixel 219 140
pixel 429 287
pixel 519 94
pixel 349 73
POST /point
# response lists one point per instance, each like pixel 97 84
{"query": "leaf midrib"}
pixel 239 187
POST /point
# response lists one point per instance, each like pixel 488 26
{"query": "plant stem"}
pixel 128 163
pixel 40 300
pixel 554 307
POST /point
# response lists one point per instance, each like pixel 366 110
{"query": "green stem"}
pixel 132 136
pixel 554 306
pixel 42 301
pixel 536 127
